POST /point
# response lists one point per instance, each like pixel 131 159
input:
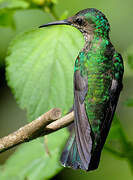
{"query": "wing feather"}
pixel 82 126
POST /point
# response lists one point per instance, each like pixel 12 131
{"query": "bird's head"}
pixel 91 21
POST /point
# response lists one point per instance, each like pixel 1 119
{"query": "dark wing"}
pixel 82 126
pixel 115 90
pixel 77 152
pixel 109 110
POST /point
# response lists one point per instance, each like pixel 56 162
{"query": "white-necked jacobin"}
pixel 98 73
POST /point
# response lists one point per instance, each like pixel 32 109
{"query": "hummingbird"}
pixel 98 73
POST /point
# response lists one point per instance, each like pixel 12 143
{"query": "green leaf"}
pixel 32 162
pixel 13 4
pixel 40 68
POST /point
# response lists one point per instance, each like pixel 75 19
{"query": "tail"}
pixel 70 156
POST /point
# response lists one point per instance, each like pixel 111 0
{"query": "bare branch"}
pixel 41 126
pixel 60 123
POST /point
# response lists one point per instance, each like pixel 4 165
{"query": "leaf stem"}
pixel 53 13
pixel 116 153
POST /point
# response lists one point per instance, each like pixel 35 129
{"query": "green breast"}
pixel 97 68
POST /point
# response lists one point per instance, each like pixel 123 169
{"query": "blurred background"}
pixel 119 14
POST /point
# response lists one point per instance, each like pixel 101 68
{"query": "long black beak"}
pixel 56 23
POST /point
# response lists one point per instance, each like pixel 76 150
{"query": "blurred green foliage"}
pixel 32 162
pixel 37 49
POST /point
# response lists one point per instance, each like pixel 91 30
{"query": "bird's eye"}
pixel 80 21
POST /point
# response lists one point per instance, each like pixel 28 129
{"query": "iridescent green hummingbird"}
pixel 98 73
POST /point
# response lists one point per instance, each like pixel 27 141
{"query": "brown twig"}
pixel 41 126
pixel 60 123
